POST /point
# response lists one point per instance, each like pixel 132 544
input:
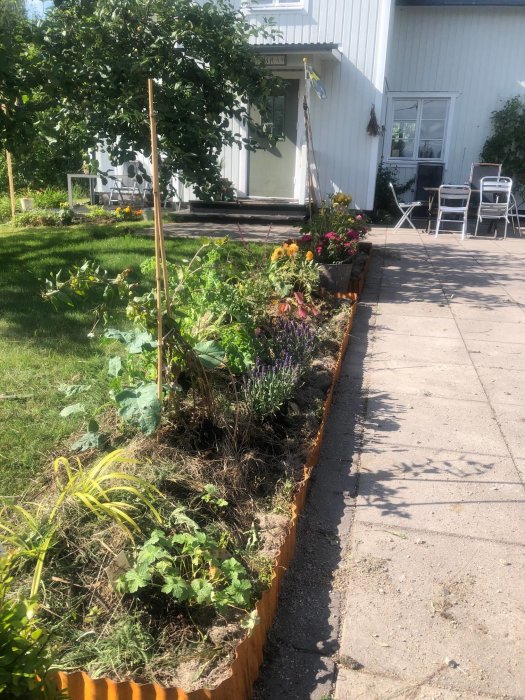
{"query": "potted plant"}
pixel 27 202
pixel 332 236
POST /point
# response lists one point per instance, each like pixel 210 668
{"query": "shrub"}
pixel 385 209
pixel 293 270
pixel 43 217
pixel 5 209
pixel 293 338
pixel 23 655
pixel 269 387
pixel 506 144
pixel 50 198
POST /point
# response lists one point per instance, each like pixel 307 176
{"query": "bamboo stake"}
pixel 11 183
pixel 156 201
pixel 156 195
pixel 10 176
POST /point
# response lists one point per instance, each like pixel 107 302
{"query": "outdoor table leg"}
pixel 70 191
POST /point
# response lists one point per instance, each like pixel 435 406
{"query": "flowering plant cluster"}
pixel 294 338
pixel 127 214
pixel 292 270
pixel 332 234
pixel 269 386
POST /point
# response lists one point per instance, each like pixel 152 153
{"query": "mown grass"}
pixel 40 348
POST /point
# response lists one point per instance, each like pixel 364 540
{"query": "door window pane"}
pixel 418 128
pixel 430 149
pixel 435 109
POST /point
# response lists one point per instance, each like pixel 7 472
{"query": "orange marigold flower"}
pixel 309 255
pixel 292 249
pixel 117 210
pixel 127 210
pixel 277 254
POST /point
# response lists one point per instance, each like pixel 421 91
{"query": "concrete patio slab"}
pixel 491 330
pixel 445 381
pixel 510 356
pixel 455 493
pixel 413 326
pixel 356 685
pixel 503 385
pixel 462 426
pixel 429 607
pixel 392 347
pixel 511 419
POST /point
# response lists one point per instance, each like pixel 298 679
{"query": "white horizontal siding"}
pixel 477 52
pixel 346 155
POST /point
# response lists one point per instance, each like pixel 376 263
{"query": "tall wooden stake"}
pixel 11 183
pixel 10 176
pixel 159 247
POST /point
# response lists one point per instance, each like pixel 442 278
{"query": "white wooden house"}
pixel 433 72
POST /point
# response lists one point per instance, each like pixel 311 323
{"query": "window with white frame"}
pixel 417 128
pixel 277 5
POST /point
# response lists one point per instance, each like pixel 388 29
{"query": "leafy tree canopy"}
pixel 506 145
pixel 89 65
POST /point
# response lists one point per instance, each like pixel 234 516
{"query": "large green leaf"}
pixel 135 340
pixel 140 406
pixel 210 353
pixel 72 409
pixel 89 441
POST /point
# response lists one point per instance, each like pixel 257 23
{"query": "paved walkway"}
pixel 436 569
pixel 409 580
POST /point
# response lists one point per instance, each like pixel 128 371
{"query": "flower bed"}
pixel 150 559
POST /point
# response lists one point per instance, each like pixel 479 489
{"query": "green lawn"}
pixel 41 349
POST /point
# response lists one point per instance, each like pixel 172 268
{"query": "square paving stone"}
pixel 512 422
pixel 444 492
pixel 420 309
pixel 491 330
pixel 393 348
pixel 357 685
pixel 424 379
pixel 415 326
pixel 485 353
pixel 417 601
pixel 455 424
pixel 503 385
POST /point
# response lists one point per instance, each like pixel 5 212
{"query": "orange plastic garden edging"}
pixel 249 653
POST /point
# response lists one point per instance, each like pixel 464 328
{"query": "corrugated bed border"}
pixel 249 654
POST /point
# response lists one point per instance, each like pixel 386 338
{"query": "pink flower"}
pixel 306 238
pixel 319 249
pixel 359 217
pixel 331 236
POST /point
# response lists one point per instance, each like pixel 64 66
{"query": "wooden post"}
pixel 158 233
pixel 10 175
pixel 11 183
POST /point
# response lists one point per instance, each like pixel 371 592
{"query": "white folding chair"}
pixel 514 213
pixel 494 201
pixel 453 202
pixel 405 209
pixel 126 185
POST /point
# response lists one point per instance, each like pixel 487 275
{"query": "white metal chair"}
pixel 406 209
pixel 494 201
pixel 479 170
pixel 453 202
pixel 514 213
pixel 125 185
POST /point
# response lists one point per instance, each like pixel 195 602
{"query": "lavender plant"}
pixel 269 386
pixel 295 338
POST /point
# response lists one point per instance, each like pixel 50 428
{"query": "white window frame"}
pixel 447 133
pixel 275 6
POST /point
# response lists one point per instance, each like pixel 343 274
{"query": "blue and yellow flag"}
pixel 315 81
